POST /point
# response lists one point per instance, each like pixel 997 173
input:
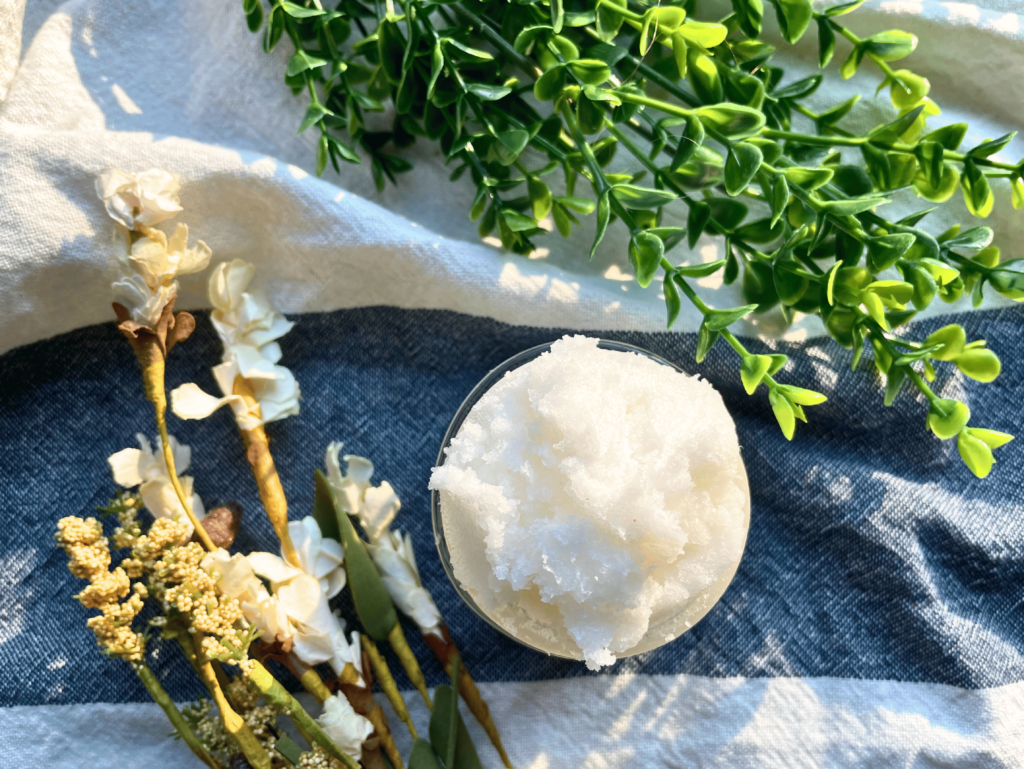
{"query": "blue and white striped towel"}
pixel 877 618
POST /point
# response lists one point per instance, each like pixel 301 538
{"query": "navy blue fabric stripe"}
pixel 872 552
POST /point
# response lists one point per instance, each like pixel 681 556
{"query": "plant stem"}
pixel 163 699
pixel 382 673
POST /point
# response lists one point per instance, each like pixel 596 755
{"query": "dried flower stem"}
pixel 387 683
pixel 446 653
pixel 278 697
pixel 163 699
pixel 257 451
pixel 234 724
pixel 412 668
pixel 153 385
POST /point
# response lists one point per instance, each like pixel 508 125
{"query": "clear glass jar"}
pixel 530 631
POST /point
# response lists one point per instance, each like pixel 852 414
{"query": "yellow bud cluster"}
pixel 89 552
pixel 162 535
pixel 129 531
pixel 318 758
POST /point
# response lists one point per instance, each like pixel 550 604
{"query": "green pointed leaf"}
pixel 809 178
pixel 706 339
pixel 691 138
pixel 972 239
pixel 322 154
pixel 673 302
pixel 977 192
pixel 302 61
pixel 783 412
pixel 436 67
pixel 893 382
pixel 700 270
pixel 949 136
pixel 423 756
pixel 717 320
pixel 697 219
pixel 517 222
pixel 800 396
pixel 550 84
pixel 704 34
pixel 1008 279
pixel 851 206
pixel 750 15
pixel 645 253
pixel 510 145
pixel 778 361
pixel 529 36
pixel 891 45
pixel 488 92
pixel 752 371
pixel 442 726
pixel 975 453
pixel 314 114
pixel 826 43
pixel 989 148
pixel 794 17
pixel 799 89
pixel 741 165
pixel 369 595
pixel 991 438
pixel 603 216
pixel 894 290
pixel 728 212
pixel 843 8
pixel 275 28
pixel 852 63
pixel 590 71
pixel 947 417
pixel 885 250
pixel 632 196
pixel 299 12
pixel 780 198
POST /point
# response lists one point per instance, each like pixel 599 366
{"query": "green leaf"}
pixel 1008 279
pixel 509 145
pixel 529 35
pixel 590 71
pixel 700 270
pixel 971 239
pixel 941 192
pixel 704 77
pixel 517 222
pixel 893 382
pixel 780 197
pixel 778 361
pixel 488 92
pixel 752 371
pixel 794 16
pixel 947 417
pixel 852 63
pixel 299 12
pixel 442 726
pixel 885 250
pixel 673 303
pixel 274 30
pixel 580 205
pixel 875 309
pixel 799 89
pixel 690 140
pixel 302 61
pixel 750 15
pixel 696 221
pixel 891 45
pixel 608 20
pixel 743 162
pixel 423 756
pixel 809 178
pixel 735 121
pixel 550 84
pixel 704 34
pixel 727 212
pixel 986 149
pixel 603 215
pixel 826 43
pixel 979 364
pixel 717 320
pixel 436 67
pixel 802 397
pixel 949 136
pixel 369 595
pixel 991 438
pixel 254 17
pixel 929 156
pixel 557 20
pixel 641 197
pixel 314 114
pixel 893 290
pixel 706 339
pixel 783 412
pixel 843 8
pixel 975 453
pixel 851 206
pixel 920 354
pixel 977 193
pixel 322 153
pixel 835 114
pixel 679 54
pixel 645 253
pixel 925 286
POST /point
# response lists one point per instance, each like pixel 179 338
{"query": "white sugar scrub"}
pixel 594 502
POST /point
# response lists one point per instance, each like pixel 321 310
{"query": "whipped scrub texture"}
pixel 591 497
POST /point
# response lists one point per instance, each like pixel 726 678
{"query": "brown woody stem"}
pixel 412 668
pixel 257 451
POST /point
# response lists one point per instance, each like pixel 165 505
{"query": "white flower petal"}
pixel 344 726
pixel 305 536
pixel 334 476
pixel 333 583
pixel 273 567
pixel 313 648
pixel 332 550
pixel 359 470
pixel 125 467
pixel 301 597
pixel 252 365
pixel 227 283
pixel 190 402
pixel 380 506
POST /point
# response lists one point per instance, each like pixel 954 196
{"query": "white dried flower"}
pixel 396 561
pixel 236 579
pixel 139 199
pixel 375 506
pixel 249 327
pixel 145 467
pixel 150 272
pixel 344 726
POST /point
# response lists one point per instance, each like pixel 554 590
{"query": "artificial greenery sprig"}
pixel 799 211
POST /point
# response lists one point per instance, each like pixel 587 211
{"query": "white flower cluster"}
pixel 376 507
pixel 249 327
pixel 145 467
pixel 150 269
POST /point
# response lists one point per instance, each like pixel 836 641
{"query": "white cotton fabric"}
pixel 621 722
pixel 183 85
